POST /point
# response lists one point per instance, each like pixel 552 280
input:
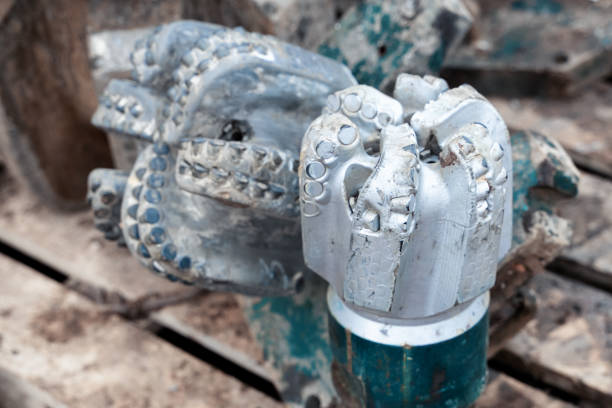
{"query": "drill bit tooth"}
pixel 326 150
pixel 482 189
pixel 315 169
pixel 203 44
pixel 198 171
pixel 351 103
pixel 195 147
pixel 188 59
pixel 230 166
pixel 258 154
pixel 183 168
pixel 177 78
pixel 240 181
pixel 497 151
pixel 137 57
pixel 313 189
pixel 276 160
pixel 414 91
pixel 105 190
pixel 214 147
pixel 369 109
pixel 132 211
pixel 219 175
pixel 465 146
pixel 501 177
pixel 258 189
pixel 136 191
pixel 236 151
pixel 479 166
pixel 121 104
pixel 333 103
pixel 203 65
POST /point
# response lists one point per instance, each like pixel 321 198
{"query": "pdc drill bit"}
pixel 406 206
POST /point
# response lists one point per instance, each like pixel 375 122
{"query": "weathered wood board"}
pixel 505 391
pixel 84 357
pixel 16 392
pixel 47 93
pixel 581 124
pixel 569 343
pixel 590 256
pixel 534 47
pixel 214 320
pixel 70 244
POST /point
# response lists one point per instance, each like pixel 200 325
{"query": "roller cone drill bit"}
pixel 212 198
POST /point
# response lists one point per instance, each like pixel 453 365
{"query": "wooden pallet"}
pixel 590 257
pixel 213 320
pixel 567 349
pixel 569 343
pixel 83 356
pixel 581 124
pixel 505 391
pixel 97 264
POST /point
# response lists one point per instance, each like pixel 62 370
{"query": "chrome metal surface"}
pixel 412 332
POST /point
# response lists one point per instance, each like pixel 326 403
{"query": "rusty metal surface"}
pixel 527 47
pixel 378 39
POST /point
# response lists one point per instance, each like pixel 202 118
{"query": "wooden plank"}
pixel 589 258
pixel 48 93
pixel 214 321
pixel 15 392
pixel 217 322
pixel 510 393
pixel 581 124
pixel 70 244
pixel 533 47
pixel 82 356
pixel 569 344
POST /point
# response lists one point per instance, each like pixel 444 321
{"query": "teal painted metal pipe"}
pixel 448 373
